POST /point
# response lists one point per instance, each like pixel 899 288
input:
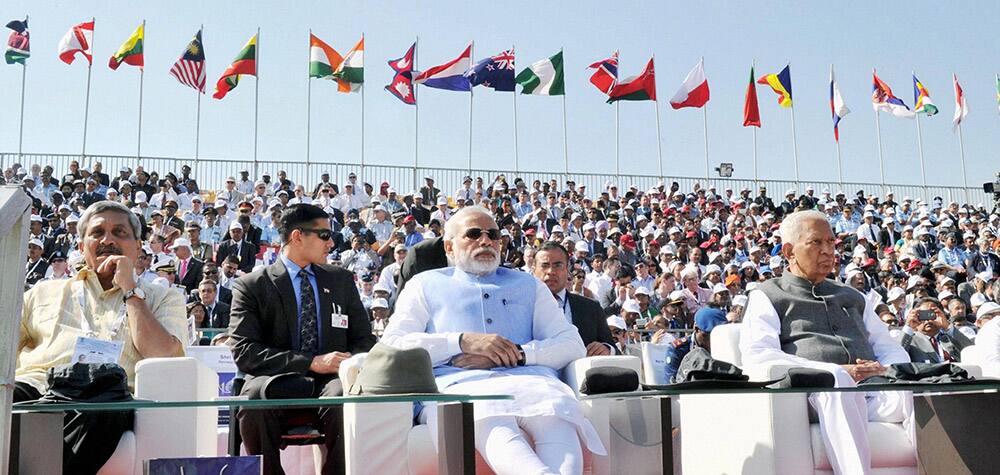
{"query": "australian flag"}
pixel 496 72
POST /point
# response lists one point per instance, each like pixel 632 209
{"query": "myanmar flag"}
pixel 543 78
pixel 130 51
pixel 636 88
pixel 351 72
pixel 323 59
pixel 245 63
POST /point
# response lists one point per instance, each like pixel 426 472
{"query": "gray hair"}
pixel 451 227
pixel 791 227
pixel 108 206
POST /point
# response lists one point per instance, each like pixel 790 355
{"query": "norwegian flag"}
pixel 402 82
pixel 190 68
pixel 606 75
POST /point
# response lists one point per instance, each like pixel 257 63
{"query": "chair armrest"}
pixel 349 370
pixel 767 371
pixel 575 372
pixel 193 430
pixel 376 437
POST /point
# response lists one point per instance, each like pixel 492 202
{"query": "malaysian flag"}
pixel 190 68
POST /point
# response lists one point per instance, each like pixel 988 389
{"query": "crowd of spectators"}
pixel 652 258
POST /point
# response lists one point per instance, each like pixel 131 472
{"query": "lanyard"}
pixel 88 329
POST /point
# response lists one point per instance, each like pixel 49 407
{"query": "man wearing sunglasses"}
pixel 493 330
pixel 292 324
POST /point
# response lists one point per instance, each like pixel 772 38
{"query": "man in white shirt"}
pixel 465 192
pixel 806 320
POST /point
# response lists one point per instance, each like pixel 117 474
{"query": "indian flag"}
pixel 351 72
pixel 130 51
pixel 543 78
pixel 323 60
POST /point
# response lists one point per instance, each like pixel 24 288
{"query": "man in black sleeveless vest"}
pixel 807 320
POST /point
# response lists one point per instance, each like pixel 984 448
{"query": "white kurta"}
pixel 989 340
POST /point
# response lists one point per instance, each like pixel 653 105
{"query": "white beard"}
pixel 466 261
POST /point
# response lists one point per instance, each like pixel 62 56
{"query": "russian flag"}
pixel 449 76
pixel 837 107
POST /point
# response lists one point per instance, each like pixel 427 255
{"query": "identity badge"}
pixel 92 350
pixel 338 320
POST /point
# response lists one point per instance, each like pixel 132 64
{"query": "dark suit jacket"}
pixel 264 320
pixel 248 254
pixel 590 321
pixel 425 255
pixel 918 346
pixel 194 274
pixel 219 317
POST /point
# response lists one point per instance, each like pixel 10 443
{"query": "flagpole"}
pixel 753 64
pixel 965 177
pixel 565 126
pixel 308 108
pixel 878 134
pixel 416 117
pixel 142 73
pixel 920 147
pixel 659 144
pixel 840 164
pixel 256 100
pixel 197 119
pixel 86 103
pixel 618 172
pixel 362 120
pixel 20 133
pixel 472 54
pixel 795 147
pixel 514 94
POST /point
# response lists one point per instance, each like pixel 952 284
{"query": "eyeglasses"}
pixel 212 272
pixel 324 234
pixel 476 233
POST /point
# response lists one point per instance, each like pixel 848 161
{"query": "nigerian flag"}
pixel 543 78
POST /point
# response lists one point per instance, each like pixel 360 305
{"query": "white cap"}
pixel 947 294
pixel 557 229
pixel 581 246
pixel 987 308
pixel 442 200
pixel 775 261
pixel 740 301
pixel 719 288
pixel 895 293
pixel 36 218
pixel 712 268
pixel 790 191
pixel 985 276
pixel 36 242
pixel 617 322
pixel 588 226
pixel 181 242
pixel 235 225
pixel 380 303
pixel 380 287
pixel 642 291
pixel 72 219
pixel 913 281
pixel 977 299
pixel 677 295
pixel 630 306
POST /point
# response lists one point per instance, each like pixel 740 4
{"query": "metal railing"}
pixel 212 173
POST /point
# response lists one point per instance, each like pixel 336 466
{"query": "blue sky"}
pixel 935 39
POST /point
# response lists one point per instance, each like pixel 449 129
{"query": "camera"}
pixel 926 315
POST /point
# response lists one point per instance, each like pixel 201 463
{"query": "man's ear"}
pixel 448 245
pixel 786 251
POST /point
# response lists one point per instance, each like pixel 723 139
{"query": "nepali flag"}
pixel 18 45
pixel 606 75
pixel 402 82
pixel 449 76
pixel 496 72
pixel 884 100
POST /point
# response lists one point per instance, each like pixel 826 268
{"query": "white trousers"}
pixel 843 424
pixel 502 443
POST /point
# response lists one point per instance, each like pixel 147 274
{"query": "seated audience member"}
pixel 935 340
pixel 618 327
pixel 216 312
pixel 292 323
pixel 552 268
pixel 704 321
pixel 53 318
pixel 527 340
pixel 989 332
pixel 804 319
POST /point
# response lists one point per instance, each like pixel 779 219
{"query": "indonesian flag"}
pixel 78 39
pixel 694 91
pixel 961 108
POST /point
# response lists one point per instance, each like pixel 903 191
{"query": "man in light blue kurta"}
pixel 492 330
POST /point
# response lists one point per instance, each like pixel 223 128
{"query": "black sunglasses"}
pixel 324 234
pixel 476 233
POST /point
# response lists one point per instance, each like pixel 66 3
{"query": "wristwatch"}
pixel 135 292
pixel 521 359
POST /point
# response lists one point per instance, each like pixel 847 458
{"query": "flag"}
pixel 402 82
pixel 78 39
pixel 837 107
pixel 961 108
pixel 449 76
pixel 751 113
pixel 636 88
pixel 245 63
pixel 496 72
pixel 781 84
pixel 922 99
pixel 130 52
pixel 543 78
pixel 606 75
pixel 190 67
pixel 694 90
pixel 18 46
pixel 883 100
pixel 350 73
pixel 323 60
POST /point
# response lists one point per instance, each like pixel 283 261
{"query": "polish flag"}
pixel 694 91
pixel 77 40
